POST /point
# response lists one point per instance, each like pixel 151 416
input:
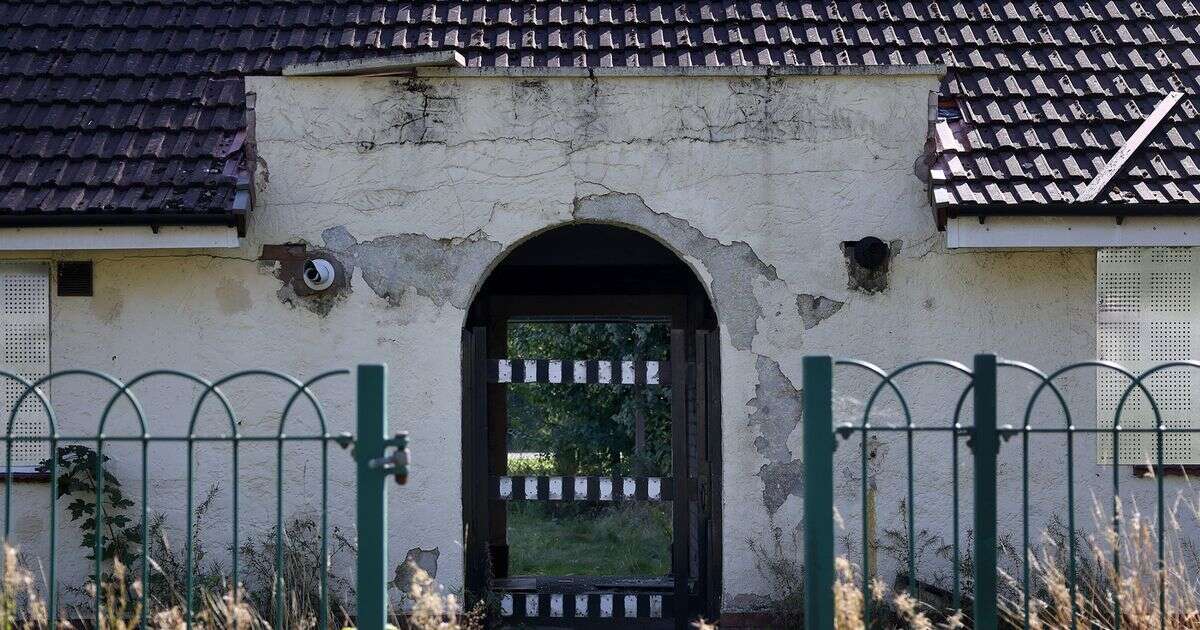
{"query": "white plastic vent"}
pixel 1147 314
pixel 25 332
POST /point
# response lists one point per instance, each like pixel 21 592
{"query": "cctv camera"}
pixel 318 274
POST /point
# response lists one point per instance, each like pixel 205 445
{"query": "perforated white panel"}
pixel 25 346
pixel 1148 313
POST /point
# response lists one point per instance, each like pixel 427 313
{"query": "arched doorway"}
pixel 623 437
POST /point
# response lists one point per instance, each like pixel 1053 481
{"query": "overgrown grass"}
pixel 577 539
pixel 1123 586
pixel 624 539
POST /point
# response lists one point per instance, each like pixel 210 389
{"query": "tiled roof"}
pixel 135 107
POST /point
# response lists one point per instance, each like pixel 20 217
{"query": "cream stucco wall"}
pixel 419 185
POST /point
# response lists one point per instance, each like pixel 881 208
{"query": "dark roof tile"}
pixel 137 105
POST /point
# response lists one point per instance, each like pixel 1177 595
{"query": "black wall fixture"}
pixel 867 262
pixel 75 278
pixel 870 252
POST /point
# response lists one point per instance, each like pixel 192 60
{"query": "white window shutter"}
pixel 1146 314
pixel 25 335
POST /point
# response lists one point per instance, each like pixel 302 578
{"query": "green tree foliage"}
pixel 591 429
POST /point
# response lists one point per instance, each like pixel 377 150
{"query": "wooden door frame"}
pixel 484 406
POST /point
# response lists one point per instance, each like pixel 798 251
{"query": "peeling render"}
pixel 733 268
pixel 416 558
pixel 777 409
pixel 753 182
pixel 816 308
pixel 443 270
pixel 446 270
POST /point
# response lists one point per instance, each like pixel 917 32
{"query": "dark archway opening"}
pixel 591 434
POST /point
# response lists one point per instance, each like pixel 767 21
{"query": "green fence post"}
pixel 371 584
pixel 986 442
pixel 818 492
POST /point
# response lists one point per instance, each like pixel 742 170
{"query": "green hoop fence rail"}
pixel 980 439
pixel 369 446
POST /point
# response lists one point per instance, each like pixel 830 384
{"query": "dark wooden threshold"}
pixel 1143 471
pixel 25 476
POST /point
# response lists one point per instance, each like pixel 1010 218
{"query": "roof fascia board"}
pixel 1054 232
pixel 1102 179
pixel 380 66
pixel 983 212
pixel 118 237
pixel 232 219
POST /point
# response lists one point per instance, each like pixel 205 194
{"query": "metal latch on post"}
pixel 397 461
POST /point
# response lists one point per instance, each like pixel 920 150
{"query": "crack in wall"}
pixel 758 110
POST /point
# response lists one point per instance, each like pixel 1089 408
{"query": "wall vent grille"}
pixel 25 338
pixel 75 279
pixel 1147 309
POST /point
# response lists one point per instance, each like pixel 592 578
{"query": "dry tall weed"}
pixel 20 606
pixel 1130 589
pixel 891 610
pixel 435 610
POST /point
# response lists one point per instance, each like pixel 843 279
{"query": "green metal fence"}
pixel 983 439
pixel 370 449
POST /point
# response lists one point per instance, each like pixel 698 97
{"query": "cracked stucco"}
pixel 419 185
pixel 446 270
pixel 733 270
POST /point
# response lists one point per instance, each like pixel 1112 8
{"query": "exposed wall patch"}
pixel 816 308
pixel 443 270
pixel 287 262
pixel 733 267
pixel 777 408
pixel 424 559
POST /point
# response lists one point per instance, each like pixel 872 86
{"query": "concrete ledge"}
pixel 378 66
pixel 682 71
pixel 451 64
